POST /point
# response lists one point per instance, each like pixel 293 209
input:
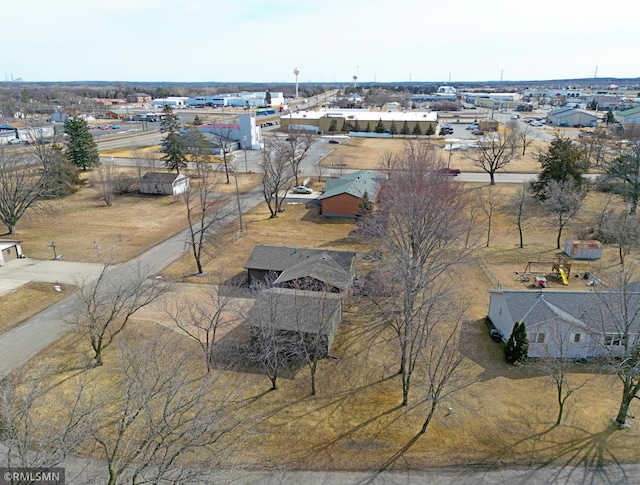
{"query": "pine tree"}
pixel 416 130
pixel 356 127
pixel 380 127
pixel 430 130
pixel 563 162
pixel 368 128
pixel 333 126
pixel 174 158
pixel 197 121
pixel 82 150
pixel 517 347
pixel 405 129
pixel 393 129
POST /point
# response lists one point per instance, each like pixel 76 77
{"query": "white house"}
pixel 159 183
pixel 9 250
pixel 567 324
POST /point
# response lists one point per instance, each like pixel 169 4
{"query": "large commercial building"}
pixel 341 120
pixel 240 100
pixel 244 134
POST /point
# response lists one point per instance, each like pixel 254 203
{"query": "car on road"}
pixel 494 333
pixel 515 117
pixel 452 172
pixel 115 127
pixel 334 142
pixel 301 189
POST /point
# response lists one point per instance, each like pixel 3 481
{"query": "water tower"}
pixel 355 81
pixel 296 72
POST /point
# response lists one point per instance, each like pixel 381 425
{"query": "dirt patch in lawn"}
pixel 39 296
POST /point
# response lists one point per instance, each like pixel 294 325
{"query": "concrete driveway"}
pixel 22 271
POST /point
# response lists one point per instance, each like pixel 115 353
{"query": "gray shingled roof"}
pixel 356 184
pixel 280 258
pixel 578 307
pixel 562 112
pixel 321 267
pixel 295 310
pixel 160 177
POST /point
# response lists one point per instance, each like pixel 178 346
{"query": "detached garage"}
pixel 586 249
pixel 164 183
pixel 9 250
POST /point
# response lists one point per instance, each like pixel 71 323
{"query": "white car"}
pixel 14 141
pixel 301 189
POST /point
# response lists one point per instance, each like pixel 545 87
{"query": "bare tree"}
pixel 519 208
pixel 106 305
pixel 447 370
pixel 205 209
pixel 143 160
pixel 624 173
pixel 623 229
pixel 496 151
pixel 562 202
pixel 420 224
pixel 33 435
pixel 616 317
pixel 387 163
pixel 104 177
pixel 524 133
pixel 320 169
pixel 294 148
pixel 201 318
pixel 22 186
pixel 157 413
pixel 489 199
pixel 596 147
pixel 276 178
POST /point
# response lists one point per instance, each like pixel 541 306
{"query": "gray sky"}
pixel 327 40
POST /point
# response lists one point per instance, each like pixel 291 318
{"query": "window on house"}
pixel 532 337
pixel 540 339
pixel 614 339
pixel 576 338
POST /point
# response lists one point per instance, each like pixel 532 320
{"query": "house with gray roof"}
pixel 163 183
pixel 342 196
pixel 316 269
pixel 567 324
pixel 571 117
pixel 297 316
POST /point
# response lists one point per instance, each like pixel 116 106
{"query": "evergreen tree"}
pixel 174 158
pixel 356 127
pixel 333 126
pixel 197 121
pixel 416 130
pixel 430 130
pixel 267 99
pixel 82 150
pixel 368 128
pixel 365 209
pixel 609 117
pixel 405 129
pixel 517 347
pixel 562 162
pixel 393 129
pixel 379 127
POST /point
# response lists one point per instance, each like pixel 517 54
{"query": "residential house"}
pixel 301 268
pixel 342 196
pixel 9 250
pixel 160 183
pixel 567 324
pixel 571 117
pixel 297 315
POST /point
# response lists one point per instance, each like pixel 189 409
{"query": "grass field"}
pixel 355 423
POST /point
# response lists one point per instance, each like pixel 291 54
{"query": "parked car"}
pixel 515 117
pixel 472 127
pixel 14 141
pixel 452 172
pixel 301 189
pixel 115 127
pixel 477 132
pixel 494 333
pixel 578 125
pixel 334 142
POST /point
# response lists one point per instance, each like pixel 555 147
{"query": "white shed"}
pixel 9 250
pixel 159 183
pixel 585 249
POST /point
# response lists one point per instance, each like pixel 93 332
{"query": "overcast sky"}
pixel 327 40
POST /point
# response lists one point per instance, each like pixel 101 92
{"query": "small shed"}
pixel 159 183
pixel 9 250
pixel 583 249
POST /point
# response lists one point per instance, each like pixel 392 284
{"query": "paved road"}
pixel 19 344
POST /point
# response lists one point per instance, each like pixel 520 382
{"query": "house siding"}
pixel 341 205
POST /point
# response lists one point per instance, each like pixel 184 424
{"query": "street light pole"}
pixel 244 146
pixel 238 198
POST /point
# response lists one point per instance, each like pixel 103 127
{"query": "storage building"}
pixel 586 249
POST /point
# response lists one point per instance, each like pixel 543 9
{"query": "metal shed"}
pixel 585 249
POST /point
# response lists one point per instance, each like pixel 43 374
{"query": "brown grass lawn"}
pixel 39 297
pixel 354 423
pixel 365 153
pixel 133 224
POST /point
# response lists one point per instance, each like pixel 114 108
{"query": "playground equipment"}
pixel 560 268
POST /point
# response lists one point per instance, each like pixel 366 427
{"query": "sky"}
pixel 326 40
